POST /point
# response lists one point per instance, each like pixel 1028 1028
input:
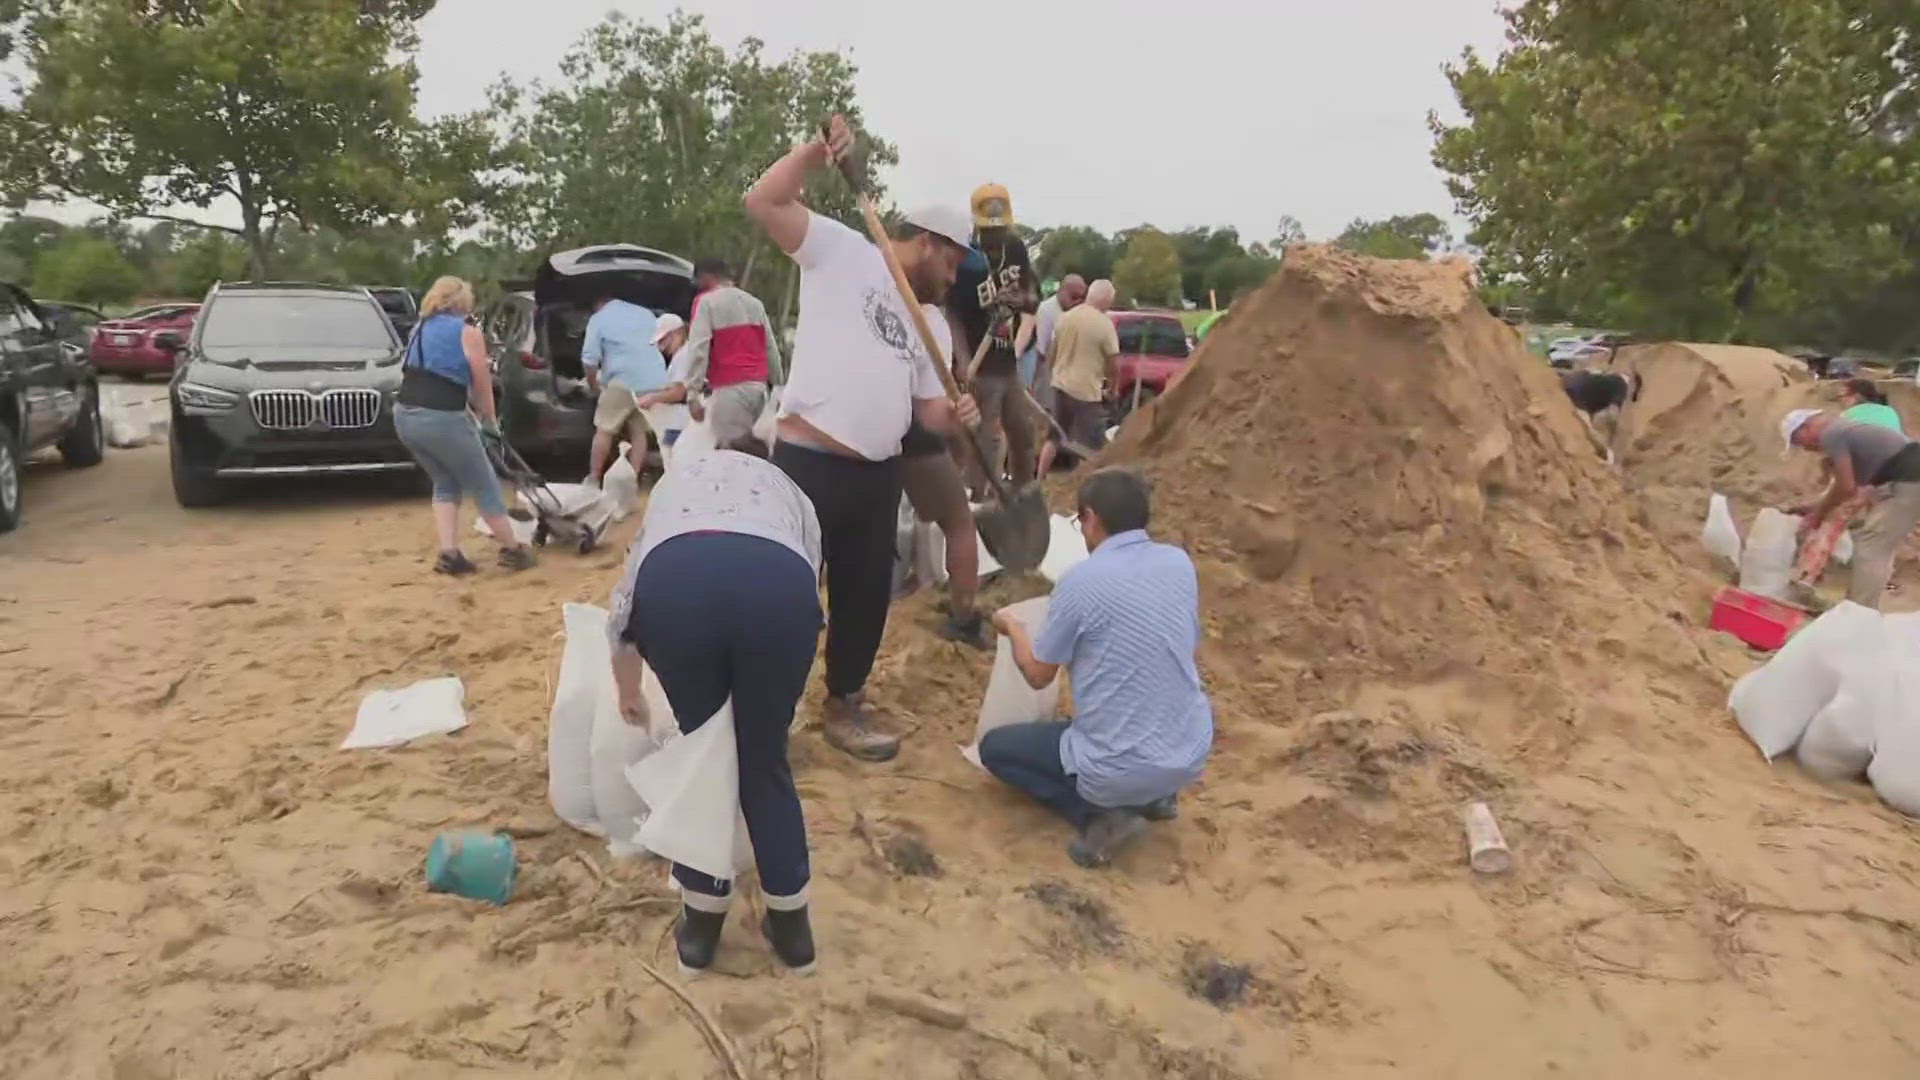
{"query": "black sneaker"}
pixel 1105 836
pixel 516 558
pixel 972 629
pixel 1162 809
pixel 697 937
pixel 791 936
pixel 453 563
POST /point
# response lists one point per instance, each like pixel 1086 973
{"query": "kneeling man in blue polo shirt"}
pixel 1125 623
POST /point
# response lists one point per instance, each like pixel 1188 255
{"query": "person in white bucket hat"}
pixel 1861 456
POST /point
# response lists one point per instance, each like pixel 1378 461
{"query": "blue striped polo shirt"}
pixel 1126 624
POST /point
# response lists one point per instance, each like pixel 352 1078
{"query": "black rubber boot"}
pixel 697 937
pixel 791 935
pixel 1162 809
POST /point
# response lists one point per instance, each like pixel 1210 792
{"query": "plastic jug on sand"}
pixel 474 864
pixel 1767 562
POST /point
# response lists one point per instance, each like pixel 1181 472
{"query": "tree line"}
pixel 1699 168
pixel 229 141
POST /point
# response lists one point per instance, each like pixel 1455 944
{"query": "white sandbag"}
pixel 696 439
pixel 615 745
pixel 691 787
pixel 1775 702
pixel 1895 771
pixel 1843 549
pixel 1766 563
pixel 621 486
pixel 1009 699
pixel 1066 548
pixel 573 500
pixel 768 425
pixel 585 664
pixel 1721 536
pixel 522 530
pixel 397 717
pixel 904 558
pixel 1838 742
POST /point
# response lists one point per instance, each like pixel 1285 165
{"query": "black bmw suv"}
pixel 283 380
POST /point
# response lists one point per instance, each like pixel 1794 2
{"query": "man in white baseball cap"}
pixel 666 409
pixel 1861 457
pixel 860 377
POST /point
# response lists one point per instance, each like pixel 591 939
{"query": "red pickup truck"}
pixel 1153 352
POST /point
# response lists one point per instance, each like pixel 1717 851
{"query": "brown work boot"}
pixel 853 726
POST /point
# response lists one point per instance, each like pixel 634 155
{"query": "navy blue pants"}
pixel 1027 756
pixel 720 614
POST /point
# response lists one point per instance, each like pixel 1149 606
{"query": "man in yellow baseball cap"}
pixel 993 300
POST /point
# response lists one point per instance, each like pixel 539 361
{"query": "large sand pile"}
pixel 1379 479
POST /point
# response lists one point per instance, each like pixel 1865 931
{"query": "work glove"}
pixel 490 434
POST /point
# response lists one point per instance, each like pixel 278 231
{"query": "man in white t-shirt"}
pixel 859 378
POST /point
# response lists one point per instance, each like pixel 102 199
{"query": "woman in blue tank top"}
pixel 445 370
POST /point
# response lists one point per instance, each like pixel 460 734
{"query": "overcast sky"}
pixel 1109 114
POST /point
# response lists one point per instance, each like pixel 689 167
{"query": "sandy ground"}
pixel 199 884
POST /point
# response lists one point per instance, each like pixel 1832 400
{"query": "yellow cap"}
pixel 992 207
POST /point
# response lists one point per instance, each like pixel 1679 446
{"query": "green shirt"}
pixel 1868 413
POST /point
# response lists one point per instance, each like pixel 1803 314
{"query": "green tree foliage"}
pixel 1149 271
pixel 654 134
pixel 1692 167
pixel 295 111
pixel 1403 236
pixel 1075 249
pixel 88 269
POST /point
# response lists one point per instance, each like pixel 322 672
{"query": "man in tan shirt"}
pixel 1084 361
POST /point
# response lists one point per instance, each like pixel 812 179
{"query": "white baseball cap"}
pixel 947 221
pixel 666 324
pixel 1793 421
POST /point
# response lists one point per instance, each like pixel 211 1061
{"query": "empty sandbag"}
pixel 1720 536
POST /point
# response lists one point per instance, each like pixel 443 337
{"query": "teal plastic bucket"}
pixel 478 865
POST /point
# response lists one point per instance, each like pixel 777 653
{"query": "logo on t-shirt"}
pixel 888 326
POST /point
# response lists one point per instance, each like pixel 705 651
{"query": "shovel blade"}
pixel 1015 528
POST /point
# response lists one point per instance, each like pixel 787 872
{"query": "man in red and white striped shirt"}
pixel 732 349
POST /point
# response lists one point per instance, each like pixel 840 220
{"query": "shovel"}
pixel 1012 524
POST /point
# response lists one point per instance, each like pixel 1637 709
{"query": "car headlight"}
pixel 208 398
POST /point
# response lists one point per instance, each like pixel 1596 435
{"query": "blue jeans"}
pixel 1027 756
pixel 447 445
pixel 718 615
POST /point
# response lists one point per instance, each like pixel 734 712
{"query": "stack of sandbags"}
pixel 1844 696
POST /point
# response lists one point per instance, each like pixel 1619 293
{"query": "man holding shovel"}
pixel 995 305
pixel 860 378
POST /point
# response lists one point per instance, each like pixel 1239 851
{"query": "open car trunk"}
pixel 568 283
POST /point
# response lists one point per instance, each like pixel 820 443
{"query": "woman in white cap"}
pixel 1861 456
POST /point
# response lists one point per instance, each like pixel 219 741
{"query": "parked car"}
pixel 1568 351
pixel 125 346
pixel 73 323
pixel 1153 352
pixel 535 332
pixel 49 396
pixel 402 309
pixel 279 380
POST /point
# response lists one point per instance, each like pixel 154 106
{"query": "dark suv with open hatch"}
pixel 283 380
